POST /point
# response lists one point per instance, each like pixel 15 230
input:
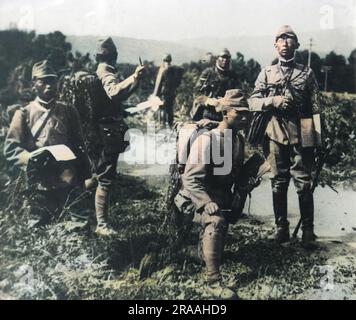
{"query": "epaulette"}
pixel 270 68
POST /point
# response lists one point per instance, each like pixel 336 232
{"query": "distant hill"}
pixel 130 49
pixel 260 48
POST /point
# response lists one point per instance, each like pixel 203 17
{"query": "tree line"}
pixel 20 49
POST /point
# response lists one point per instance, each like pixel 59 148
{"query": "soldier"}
pixel 212 85
pixel 108 92
pixel 288 93
pixel 46 122
pixel 210 190
pixel 167 82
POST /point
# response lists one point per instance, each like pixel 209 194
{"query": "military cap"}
pixel 42 69
pixel 224 53
pixel 106 46
pixel 234 99
pixel 167 57
pixel 286 30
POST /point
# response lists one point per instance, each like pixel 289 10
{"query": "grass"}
pixel 67 262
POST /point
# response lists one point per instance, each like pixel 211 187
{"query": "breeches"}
pixel 290 161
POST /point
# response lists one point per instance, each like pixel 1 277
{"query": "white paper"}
pixel 59 151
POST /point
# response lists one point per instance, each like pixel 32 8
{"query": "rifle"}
pixel 320 163
pixel 252 171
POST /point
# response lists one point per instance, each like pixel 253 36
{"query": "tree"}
pixel 315 63
pixel 340 72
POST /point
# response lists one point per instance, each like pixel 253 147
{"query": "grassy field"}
pixel 68 261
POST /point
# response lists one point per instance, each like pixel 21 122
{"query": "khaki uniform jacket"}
pixel 63 127
pixel 167 81
pixel 212 83
pixel 286 127
pixel 200 180
pixel 116 90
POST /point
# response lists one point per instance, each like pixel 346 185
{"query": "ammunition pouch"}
pixel 112 132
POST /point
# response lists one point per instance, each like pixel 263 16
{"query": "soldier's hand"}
pixel 211 208
pixel 282 102
pixel 278 101
pixel 139 72
pixel 212 102
pixel 287 103
pixel 203 123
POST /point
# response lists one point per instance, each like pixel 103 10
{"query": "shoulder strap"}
pixel 43 124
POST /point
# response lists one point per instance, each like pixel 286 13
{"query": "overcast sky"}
pixel 176 19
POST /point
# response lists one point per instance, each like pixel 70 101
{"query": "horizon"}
pixel 158 19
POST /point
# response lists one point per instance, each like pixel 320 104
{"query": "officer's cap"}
pixel 106 46
pixel 234 99
pixel 286 30
pixel 43 69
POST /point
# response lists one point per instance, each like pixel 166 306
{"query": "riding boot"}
pixel 280 213
pixel 306 207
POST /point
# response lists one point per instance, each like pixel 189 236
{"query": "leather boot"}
pixel 306 207
pixel 101 210
pixel 280 214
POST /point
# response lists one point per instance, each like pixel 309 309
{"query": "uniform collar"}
pixel 45 104
pixel 286 63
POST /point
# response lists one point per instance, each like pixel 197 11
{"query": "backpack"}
pixel 186 135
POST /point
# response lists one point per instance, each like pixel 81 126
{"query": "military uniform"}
pixel 212 83
pixel 62 126
pixel 108 92
pixel 167 80
pixel 292 133
pixel 108 113
pixel 207 179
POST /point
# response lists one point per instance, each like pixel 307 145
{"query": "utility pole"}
pixel 326 69
pixel 310 51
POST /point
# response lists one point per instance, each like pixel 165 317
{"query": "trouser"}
pixel 212 241
pixel 167 112
pixel 291 161
pixel 213 230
